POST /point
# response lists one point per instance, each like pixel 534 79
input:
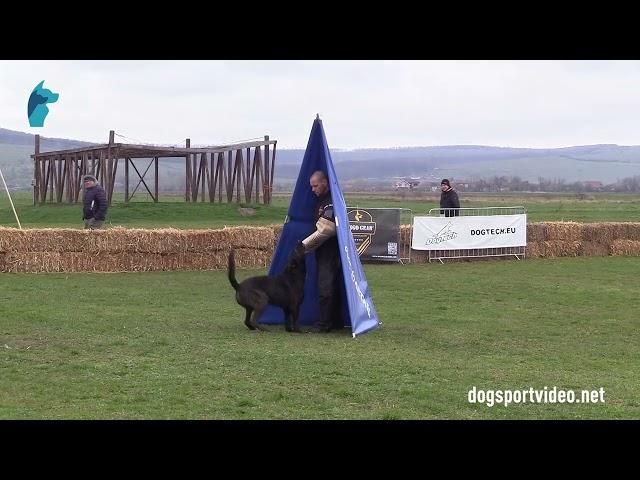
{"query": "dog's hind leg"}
pixel 247 319
pixel 254 319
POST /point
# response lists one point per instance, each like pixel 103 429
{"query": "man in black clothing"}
pixel 325 242
pixel 95 203
pixel 448 199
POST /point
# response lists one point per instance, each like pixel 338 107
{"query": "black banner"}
pixel 376 232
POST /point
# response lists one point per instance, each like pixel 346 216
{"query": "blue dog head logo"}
pixel 37 109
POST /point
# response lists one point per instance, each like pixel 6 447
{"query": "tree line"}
pixel 516 184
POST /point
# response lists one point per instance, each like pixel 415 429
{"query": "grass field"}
pixel 172 211
pixel 172 345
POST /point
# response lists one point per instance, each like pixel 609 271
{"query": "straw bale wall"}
pixel 130 250
pixel 566 239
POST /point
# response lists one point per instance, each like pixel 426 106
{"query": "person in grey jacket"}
pixel 94 211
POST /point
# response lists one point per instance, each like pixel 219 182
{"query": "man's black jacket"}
pixel 95 203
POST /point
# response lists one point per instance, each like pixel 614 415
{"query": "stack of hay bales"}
pixel 554 239
pixel 622 238
pixel 130 250
pixel 562 239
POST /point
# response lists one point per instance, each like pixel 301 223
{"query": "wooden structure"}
pixel 241 170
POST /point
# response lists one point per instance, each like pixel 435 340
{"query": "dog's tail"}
pixel 231 271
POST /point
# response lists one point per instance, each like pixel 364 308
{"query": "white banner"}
pixel 453 233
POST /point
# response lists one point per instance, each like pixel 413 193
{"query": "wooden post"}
pixel 156 189
pixel 187 173
pixel 265 181
pixel 52 176
pixel 84 163
pixel 248 179
pixel 220 174
pixel 273 166
pixel 36 169
pixel 212 178
pixel 206 176
pixel 258 168
pixel 195 177
pixel 103 170
pixel 126 179
pixel 203 173
pixel 229 178
pixel 106 180
pixel 114 160
pixel 237 172
pixel 67 176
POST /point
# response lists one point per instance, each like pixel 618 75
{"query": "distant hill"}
pixel 605 162
pixel 15 151
pixel 12 137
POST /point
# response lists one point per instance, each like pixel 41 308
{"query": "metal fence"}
pixel 518 252
pixel 406 214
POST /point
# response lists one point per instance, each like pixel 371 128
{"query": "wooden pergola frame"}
pixel 208 170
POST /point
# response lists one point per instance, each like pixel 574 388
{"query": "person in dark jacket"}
pixel 448 199
pixel 95 203
pixel 325 243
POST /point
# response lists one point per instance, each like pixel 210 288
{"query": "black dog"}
pixel 285 290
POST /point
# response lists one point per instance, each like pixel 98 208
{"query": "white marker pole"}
pixel 11 201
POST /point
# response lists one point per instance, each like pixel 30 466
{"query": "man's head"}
pixel 445 185
pixel 89 181
pixel 319 183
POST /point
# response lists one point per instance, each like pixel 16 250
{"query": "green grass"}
pixel 172 345
pixel 172 211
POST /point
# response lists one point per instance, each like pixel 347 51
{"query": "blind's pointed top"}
pixel 317 116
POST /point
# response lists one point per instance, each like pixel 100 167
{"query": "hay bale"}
pixel 633 231
pixel 608 232
pixel 150 262
pixel 43 240
pixel 559 248
pixel 261 238
pixel 536 232
pixel 123 240
pixel 625 247
pixel 277 231
pixel 593 249
pixel 13 240
pixel 567 231
pixel 405 236
pixel 32 262
pixel 137 240
pixel 534 250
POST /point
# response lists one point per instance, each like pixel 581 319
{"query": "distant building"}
pixel 404 183
pixel 401 184
pixel 593 185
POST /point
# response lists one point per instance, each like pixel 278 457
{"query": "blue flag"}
pixel 358 310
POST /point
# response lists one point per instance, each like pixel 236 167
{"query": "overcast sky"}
pixel 362 103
